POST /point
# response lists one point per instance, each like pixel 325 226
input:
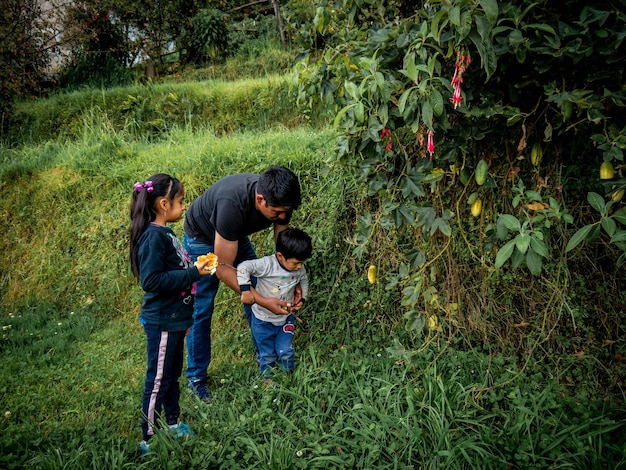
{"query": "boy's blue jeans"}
pixel 275 344
pixel 199 338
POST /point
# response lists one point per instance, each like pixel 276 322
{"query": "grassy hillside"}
pixel 152 111
pixel 367 393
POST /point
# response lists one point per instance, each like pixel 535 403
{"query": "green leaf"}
pixel 510 222
pixel 620 215
pixel 490 7
pixel 341 114
pixel 533 195
pixel 609 225
pixel 534 263
pixel 539 247
pixel 504 253
pixel 436 102
pixel 352 90
pixel 455 16
pixel 486 53
pixel 441 225
pixel 619 237
pixel 403 99
pixel 522 242
pixel 427 113
pixel 516 259
pixel 416 323
pixel 410 71
pixel 578 237
pixel 359 112
pixel 596 201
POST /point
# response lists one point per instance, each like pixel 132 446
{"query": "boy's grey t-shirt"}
pixel 273 281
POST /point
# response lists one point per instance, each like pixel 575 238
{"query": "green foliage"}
pixel 209 37
pixel 152 112
pixel 531 233
pixel 425 103
pixel 93 70
pixel 611 223
pixel 24 54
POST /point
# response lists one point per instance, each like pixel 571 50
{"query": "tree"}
pixel 24 52
pixel 100 47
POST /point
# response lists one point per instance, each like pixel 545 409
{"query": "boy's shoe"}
pixel 144 447
pixel 181 430
pixel 200 390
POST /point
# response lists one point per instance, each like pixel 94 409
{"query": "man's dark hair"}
pixel 294 243
pixel 280 187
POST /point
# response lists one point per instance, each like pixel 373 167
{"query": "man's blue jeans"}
pixel 275 345
pixel 199 338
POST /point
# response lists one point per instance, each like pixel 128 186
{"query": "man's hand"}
pixel 247 297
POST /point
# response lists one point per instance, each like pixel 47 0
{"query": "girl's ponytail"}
pixel 142 208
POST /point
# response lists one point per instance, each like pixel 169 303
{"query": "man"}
pixel 220 221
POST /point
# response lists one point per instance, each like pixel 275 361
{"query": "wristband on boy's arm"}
pixel 244 287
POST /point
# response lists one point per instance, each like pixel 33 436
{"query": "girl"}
pixel 159 261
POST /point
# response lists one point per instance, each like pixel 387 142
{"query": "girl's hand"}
pixel 204 268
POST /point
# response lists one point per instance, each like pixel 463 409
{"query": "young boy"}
pixel 277 276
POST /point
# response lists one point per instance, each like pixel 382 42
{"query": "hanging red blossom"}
pixel 461 64
pixel 430 146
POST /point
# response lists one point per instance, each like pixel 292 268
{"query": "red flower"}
pixel 431 145
pixel 388 147
pixel 385 133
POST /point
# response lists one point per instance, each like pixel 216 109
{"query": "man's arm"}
pixel 226 252
pixel 277 230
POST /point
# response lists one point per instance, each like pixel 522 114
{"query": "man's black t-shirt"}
pixel 228 208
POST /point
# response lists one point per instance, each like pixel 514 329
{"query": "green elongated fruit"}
pixel 481 172
pixel 535 154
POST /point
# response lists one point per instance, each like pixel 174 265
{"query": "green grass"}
pixel 366 393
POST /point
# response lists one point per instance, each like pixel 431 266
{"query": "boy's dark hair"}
pixel 142 210
pixel 280 187
pixel 294 243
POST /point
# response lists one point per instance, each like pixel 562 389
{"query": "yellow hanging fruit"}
pixel 476 207
pixel 432 322
pixel 371 274
pixel 606 171
pixel 535 154
pixel 618 195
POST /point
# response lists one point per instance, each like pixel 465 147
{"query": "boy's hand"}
pixel 293 307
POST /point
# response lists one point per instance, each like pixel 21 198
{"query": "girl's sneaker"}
pixel 181 430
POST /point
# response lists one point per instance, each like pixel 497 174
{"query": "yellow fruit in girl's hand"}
pixel 211 258
pixel 606 171
pixel 371 274
pixel 476 207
